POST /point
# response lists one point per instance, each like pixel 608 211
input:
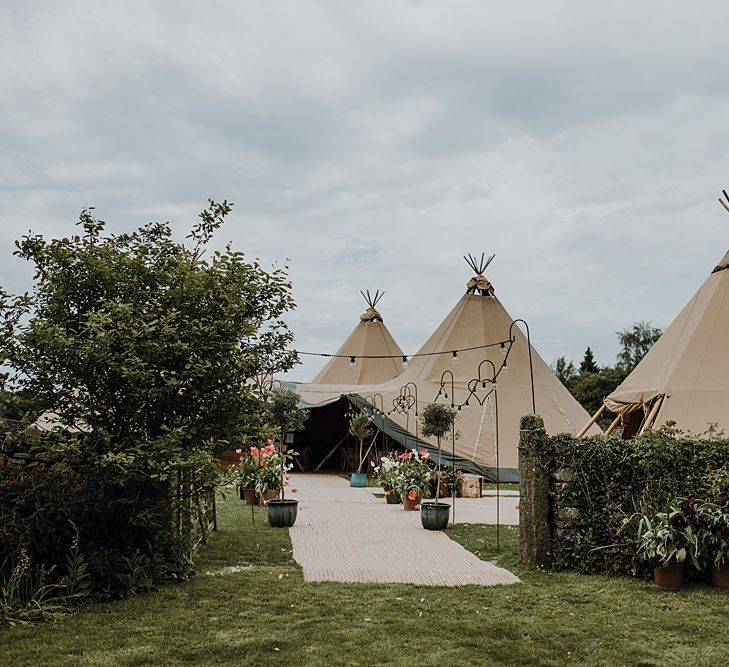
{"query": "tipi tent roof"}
pixel 474 329
pixel 689 364
pixel 377 357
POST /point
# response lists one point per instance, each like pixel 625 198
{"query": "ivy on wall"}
pixel 599 486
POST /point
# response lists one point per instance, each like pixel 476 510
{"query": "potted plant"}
pixel 667 541
pixel 268 480
pixel 244 475
pixel 386 473
pixel 716 522
pixel 413 478
pixel 283 411
pixel 360 426
pixel 451 480
pixel 437 420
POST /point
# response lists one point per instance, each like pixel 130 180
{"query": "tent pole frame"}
pixel 595 417
pixel 653 414
pixel 614 425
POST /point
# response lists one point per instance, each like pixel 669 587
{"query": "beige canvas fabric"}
pixel 475 321
pixel 689 364
pixel 370 338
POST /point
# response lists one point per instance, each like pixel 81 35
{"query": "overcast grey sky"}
pixel 374 143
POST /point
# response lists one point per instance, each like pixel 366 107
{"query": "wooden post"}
pixel 535 462
pixel 328 456
pixel 595 417
pixel 653 414
pixel 613 426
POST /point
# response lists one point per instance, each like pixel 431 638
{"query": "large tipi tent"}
pixel 454 366
pixel 369 356
pixel 684 378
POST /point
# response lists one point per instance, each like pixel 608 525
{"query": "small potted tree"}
pixel 283 411
pixel 360 426
pixel 437 420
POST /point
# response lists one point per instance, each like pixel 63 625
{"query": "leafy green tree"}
pixel 591 388
pixel 635 341
pixel 138 335
pixel 588 364
pixel 564 370
pixel 437 419
pixel 283 412
pixel 360 426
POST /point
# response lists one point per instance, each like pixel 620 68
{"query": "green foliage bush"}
pixel 151 345
pixel 613 481
pixel 98 525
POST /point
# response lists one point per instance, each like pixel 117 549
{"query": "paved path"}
pixel 346 534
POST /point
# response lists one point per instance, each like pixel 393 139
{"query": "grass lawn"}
pixel 504 486
pixel 249 605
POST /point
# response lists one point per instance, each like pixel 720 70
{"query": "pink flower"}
pixel 238 451
pixel 412 494
pixel 294 490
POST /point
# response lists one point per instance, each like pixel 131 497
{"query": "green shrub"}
pixel 99 523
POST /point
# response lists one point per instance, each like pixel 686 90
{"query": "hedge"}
pixel 601 485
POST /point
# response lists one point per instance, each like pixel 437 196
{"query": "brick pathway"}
pixel 346 534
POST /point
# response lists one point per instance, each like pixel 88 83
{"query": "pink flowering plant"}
pixel 246 472
pixel 413 474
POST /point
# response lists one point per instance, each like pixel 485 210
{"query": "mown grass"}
pixel 249 605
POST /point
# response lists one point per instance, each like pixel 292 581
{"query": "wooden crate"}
pixel 472 486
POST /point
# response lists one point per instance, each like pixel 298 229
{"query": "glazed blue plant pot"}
pixel 282 513
pixel 358 479
pixel 434 517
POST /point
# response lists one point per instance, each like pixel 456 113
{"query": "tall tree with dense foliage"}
pixel 592 383
pixel 154 344
pixel 635 341
pixel 137 334
pixel 588 364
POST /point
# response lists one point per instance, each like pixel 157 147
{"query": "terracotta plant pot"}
pixel 392 498
pixel 358 479
pixel 410 505
pixel 720 575
pixel 670 576
pixel 435 517
pixel 248 493
pixel 268 494
pixel 282 513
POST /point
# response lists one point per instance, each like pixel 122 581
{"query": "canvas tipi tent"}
pixel 684 378
pixel 369 356
pixel 477 341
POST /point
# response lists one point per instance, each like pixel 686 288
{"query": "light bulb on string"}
pixel 503 349
pixel 404 361
pixel 455 356
pixel 352 362
pixel 504 368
